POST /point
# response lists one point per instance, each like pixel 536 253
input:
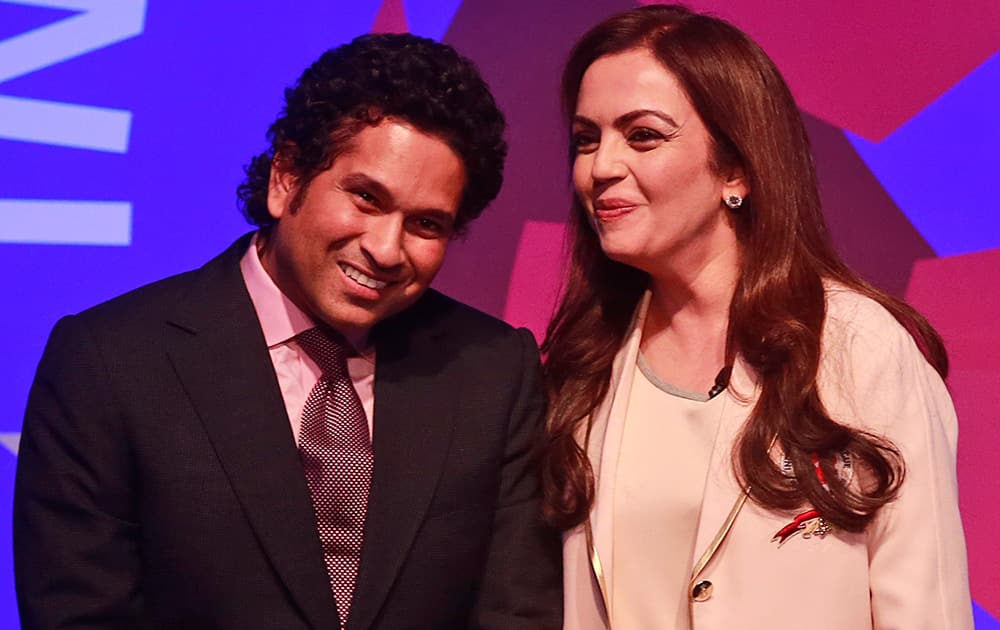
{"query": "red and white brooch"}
pixel 810 523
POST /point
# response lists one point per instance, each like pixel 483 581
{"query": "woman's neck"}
pixel 684 337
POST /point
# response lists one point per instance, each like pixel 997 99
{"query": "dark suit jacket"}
pixel 159 484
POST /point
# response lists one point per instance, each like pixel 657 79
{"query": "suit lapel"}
pixel 226 370
pixel 415 402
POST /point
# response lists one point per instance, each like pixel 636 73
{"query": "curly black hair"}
pixel 417 80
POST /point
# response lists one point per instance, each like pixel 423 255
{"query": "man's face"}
pixel 371 231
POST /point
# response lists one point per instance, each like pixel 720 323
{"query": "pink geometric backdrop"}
pixel 879 73
pixel 899 98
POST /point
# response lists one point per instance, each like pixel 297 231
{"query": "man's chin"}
pixel 356 322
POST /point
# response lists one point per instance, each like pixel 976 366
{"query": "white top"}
pixel 663 463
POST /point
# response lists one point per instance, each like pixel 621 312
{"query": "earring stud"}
pixel 734 201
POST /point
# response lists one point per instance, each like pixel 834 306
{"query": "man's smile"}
pixel 361 278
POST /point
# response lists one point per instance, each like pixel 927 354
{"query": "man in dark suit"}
pixel 192 456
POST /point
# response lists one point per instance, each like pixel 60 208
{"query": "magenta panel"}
pixel 536 277
pixel 959 297
pixel 391 18
pixel 870 232
pixel 868 66
pixel 520 46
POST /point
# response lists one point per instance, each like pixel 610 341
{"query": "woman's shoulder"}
pixel 869 358
pixel 856 321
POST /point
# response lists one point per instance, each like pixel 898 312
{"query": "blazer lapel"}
pixel 723 495
pixel 226 370
pixel 604 444
pixel 415 406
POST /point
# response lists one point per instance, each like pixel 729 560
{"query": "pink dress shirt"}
pixel 281 321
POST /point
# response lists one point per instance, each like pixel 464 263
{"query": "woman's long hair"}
pixel 778 307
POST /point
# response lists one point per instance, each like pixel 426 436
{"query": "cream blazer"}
pixel 907 571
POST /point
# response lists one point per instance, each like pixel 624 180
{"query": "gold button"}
pixel 702 591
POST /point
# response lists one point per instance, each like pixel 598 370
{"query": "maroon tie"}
pixel 336 454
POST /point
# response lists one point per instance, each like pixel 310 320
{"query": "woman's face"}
pixel 643 167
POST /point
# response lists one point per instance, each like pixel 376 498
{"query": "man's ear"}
pixel 281 186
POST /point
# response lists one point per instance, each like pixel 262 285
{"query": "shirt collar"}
pixel 280 319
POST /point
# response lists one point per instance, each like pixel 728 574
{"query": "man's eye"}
pixel 429 228
pixel 365 196
pixel 430 225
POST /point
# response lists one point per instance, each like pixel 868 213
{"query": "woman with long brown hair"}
pixel 743 433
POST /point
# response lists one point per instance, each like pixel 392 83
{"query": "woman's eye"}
pixel 644 136
pixel 584 142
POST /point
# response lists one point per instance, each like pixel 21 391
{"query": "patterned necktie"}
pixel 336 454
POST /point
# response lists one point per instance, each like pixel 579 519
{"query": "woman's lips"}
pixel 611 209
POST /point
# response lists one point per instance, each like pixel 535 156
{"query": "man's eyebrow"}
pixel 385 197
pixel 629 117
pixel 373 186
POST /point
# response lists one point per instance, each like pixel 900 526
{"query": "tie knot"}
pixel 323 347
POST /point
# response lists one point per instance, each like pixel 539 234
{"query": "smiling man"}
pixel 302 434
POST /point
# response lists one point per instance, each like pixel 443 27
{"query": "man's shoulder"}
pixel 161 297
pixel 437 311
pixel 439 327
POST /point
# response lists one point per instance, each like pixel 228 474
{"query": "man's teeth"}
pixel 362 279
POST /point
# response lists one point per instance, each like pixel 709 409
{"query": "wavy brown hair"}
pixel 778 308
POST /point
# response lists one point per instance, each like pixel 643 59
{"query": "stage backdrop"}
pixel 124 126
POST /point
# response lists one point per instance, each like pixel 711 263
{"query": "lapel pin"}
pixel 809 523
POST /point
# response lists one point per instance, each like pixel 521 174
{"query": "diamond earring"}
pixel 734 201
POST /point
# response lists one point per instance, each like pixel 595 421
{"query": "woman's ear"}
pixel 736 184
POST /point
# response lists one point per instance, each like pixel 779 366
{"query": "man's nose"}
pixel 382 241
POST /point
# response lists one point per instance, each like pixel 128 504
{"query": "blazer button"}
pixel 702 591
